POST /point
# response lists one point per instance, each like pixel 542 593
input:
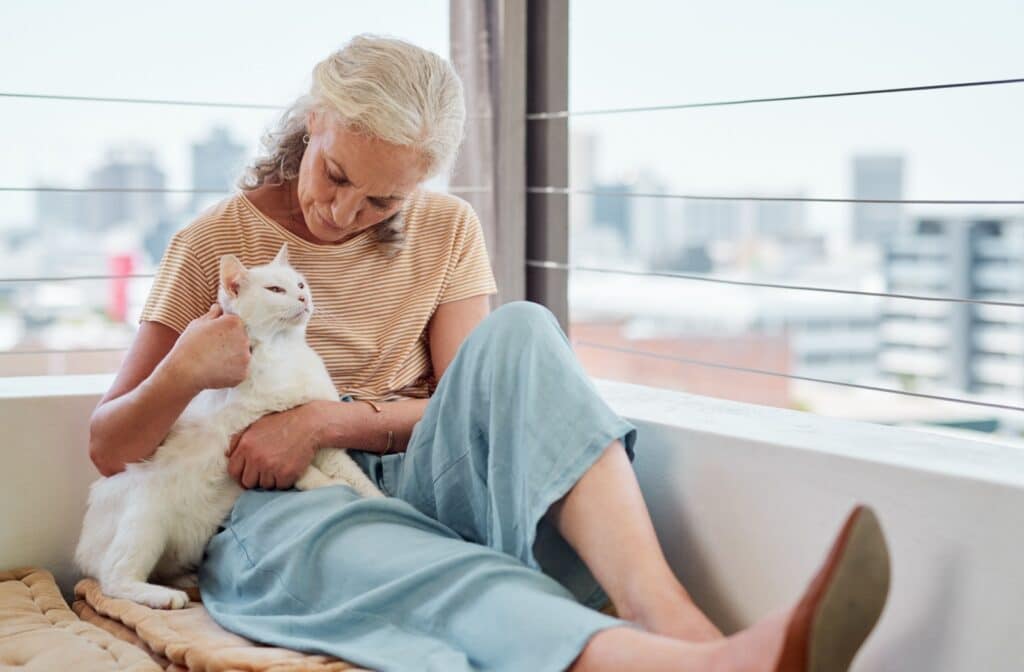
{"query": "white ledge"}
pixel 799 430
pixel 745 500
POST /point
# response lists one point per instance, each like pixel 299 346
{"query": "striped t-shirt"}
pixel 371 311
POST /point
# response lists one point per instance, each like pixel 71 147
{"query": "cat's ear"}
pixel 282 256
pixel 232 274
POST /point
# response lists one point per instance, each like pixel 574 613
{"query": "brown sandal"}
pixel 842 603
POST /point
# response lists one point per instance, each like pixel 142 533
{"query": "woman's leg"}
pixel 756 649
pixel 514 425
pixel 606 521
pixel 823 631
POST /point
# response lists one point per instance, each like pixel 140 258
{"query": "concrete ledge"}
pixel 745 500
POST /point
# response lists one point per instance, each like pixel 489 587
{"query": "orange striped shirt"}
pixel 371 313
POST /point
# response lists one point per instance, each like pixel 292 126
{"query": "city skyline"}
pixel 960 143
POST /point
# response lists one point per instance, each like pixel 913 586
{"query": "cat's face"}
pixel 269 299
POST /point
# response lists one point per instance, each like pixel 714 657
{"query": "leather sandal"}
pixel 844 601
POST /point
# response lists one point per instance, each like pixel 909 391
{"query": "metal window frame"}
pixel 515 54
pixel 547 153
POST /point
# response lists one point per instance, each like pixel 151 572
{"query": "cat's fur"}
pixel 156 516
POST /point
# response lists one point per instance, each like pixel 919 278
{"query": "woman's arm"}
pixel 160 375
pixel 346 425
pixel 275 450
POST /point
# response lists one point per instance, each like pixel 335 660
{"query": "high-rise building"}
pixel 973 348
pixel 612 210
pixel 128 186
pixel 55 210
pixel 732 220
pixel 655 235
pixel 878 177
pixel 217 162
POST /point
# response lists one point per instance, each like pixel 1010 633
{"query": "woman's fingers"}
pixel 267 481
pixel 250 476
pixel 234 443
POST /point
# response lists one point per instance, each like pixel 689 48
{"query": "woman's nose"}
pixel 345 207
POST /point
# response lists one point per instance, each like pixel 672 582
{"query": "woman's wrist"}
pixel 323 419
pixel 175 371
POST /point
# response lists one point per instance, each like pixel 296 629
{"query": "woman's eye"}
pixel 337 179
pixel 276 289
pixel 380 206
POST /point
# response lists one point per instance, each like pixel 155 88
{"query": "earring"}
pixel 305 139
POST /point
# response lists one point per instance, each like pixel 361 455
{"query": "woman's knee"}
pixel 521 321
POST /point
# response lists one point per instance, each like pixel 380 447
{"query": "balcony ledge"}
pixel 745 500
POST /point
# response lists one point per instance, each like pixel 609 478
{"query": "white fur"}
pixel 155 517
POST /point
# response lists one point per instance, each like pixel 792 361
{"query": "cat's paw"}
pixel 157 597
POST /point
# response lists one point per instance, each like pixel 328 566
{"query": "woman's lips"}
pixel 327 222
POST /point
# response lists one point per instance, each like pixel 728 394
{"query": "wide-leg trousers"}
pixel 458 569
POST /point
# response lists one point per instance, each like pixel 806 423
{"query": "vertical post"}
pixel 488 50
pixel 547 153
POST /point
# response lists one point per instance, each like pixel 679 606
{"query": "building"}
pixel 957 346
pixel 821 335
pixel 129 185
pixel 877 177
pixel 55 210
pixel 217 162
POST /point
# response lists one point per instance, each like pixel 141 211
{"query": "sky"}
pixel 253 51
pixel 958 144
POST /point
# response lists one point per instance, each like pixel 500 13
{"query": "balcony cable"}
pixel 141 101
pixel 777 374
pixel 782 199
pixel 534 115
pixel 554 265
pixel 70 351
pixel 71 278
pixel 469 189
pixel 564 114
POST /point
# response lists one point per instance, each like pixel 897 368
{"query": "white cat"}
pixel 156 516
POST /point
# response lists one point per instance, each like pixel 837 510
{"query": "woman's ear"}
pixel 232 274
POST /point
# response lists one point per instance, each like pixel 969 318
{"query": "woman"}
pixel 512 465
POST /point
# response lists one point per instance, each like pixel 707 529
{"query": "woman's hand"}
pixel 213 351
pixel 273 452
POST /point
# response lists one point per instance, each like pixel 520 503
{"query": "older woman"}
pixel 513 503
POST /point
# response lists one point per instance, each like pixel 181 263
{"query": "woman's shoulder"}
pixel 436 206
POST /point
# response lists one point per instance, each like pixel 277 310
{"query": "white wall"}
pixel 745 499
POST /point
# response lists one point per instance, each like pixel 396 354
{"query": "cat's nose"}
pixel 302 298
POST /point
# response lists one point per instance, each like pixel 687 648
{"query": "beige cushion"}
pixel 38 632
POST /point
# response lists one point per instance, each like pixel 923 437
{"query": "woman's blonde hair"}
pixel 384 88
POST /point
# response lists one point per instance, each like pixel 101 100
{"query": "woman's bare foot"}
pixel 837 612
pixel 822 633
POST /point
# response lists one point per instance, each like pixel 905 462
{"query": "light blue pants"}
pixel 457 569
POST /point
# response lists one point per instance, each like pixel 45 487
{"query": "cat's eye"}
pixel 301 285
pixel 275 289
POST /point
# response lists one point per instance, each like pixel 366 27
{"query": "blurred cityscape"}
pixel 117 224
pixel 941 348
pixel 120 221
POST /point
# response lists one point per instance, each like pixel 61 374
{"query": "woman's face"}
pixel 349 183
